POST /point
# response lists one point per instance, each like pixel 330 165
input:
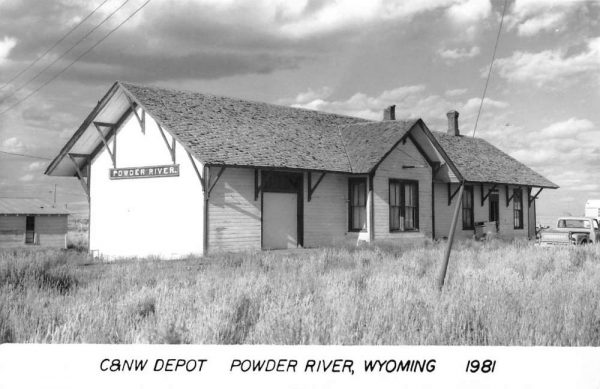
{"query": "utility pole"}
pixel 442 276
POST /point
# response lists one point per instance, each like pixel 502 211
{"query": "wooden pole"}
pixel 442 276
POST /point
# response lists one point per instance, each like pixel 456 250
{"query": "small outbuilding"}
pixel 170 173
pixel 32 222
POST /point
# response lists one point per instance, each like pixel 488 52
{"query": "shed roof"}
pixel 479 161
pixel 27 206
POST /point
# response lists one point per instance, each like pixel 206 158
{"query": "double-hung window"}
pixel 357 210
pixel 467 209
pixel 518 208
pixel 404 205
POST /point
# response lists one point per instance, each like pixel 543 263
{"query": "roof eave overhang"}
pixel 513 184
pixel 82 128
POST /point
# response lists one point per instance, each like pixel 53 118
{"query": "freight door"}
pixel 280 220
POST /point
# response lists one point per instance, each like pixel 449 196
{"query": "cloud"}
pixel 472 105
pixel 455 92
pixel 6 45
pixel 531 17
pixel 544 22
pixel 35 166
pixel 411 101
pixel 27 178
pixel 13 145
pixel 550 66
pixel 452 55
pixel 569 128
pixel 469 11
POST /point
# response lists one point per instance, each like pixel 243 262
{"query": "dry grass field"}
pixel 497 294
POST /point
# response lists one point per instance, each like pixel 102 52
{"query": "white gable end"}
pixel 156 216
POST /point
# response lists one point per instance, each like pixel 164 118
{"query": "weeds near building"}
pixel 497 294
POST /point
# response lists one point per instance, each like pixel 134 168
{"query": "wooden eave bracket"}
pixel 311 188
pixel 83 179
pixel 170 146
pixel 110 126
pixel 534 197
pixel 211 186
pixel 452 195
pixel 483 198
pixel 141 119
pixel 509 199
pixel 258 188
pixel 197 173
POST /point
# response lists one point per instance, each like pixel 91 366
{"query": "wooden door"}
pixel 30 229
pixel 280 220
pixel 494 207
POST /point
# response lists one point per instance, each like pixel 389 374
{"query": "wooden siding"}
pixel 12 231
pixel 234 217
pixel 392 168
pixel 443 212
pixel 326 215
pixel 50 231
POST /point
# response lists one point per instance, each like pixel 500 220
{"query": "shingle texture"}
pixel 13 206
pixel 228 131
pixel 479 161
pixel 221 130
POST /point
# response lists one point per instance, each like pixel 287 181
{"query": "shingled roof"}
pixel 479 161
pixel 223 131
pixel 228 131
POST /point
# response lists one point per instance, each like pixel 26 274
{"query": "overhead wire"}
pixel 85 36
pixel 25 155
pixel 18 102
pixel 61 72
pixel 58 42
pixel 487 80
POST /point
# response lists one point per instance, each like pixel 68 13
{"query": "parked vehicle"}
pixel 592 209
pixel 571 231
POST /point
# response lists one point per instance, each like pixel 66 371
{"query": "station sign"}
pixel 124 173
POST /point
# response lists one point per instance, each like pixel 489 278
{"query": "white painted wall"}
pixel 145 216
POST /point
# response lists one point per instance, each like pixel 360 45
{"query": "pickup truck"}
pixel 571 231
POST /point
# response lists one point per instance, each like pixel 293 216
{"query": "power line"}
pixel 75 60
pixel 25 155
pixel 64 53
pixel 491 65
pixel 52 47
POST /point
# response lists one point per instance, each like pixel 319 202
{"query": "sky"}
pixel 350 57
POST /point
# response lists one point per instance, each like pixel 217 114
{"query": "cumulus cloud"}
pixel 469 11
pixel 27 178
pixel 411 101
pixel 13 145
pixel 35 166
pixel 455 92
pixel 550 66
pixel 531 17
pixel 6 45
pixel 451 55
pixel 473 104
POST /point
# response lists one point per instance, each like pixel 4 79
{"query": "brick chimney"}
pixel 389 113
pixel 453 123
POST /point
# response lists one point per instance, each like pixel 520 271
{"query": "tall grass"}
pixel 496 293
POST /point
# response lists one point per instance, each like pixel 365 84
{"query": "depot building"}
pixel 171 173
